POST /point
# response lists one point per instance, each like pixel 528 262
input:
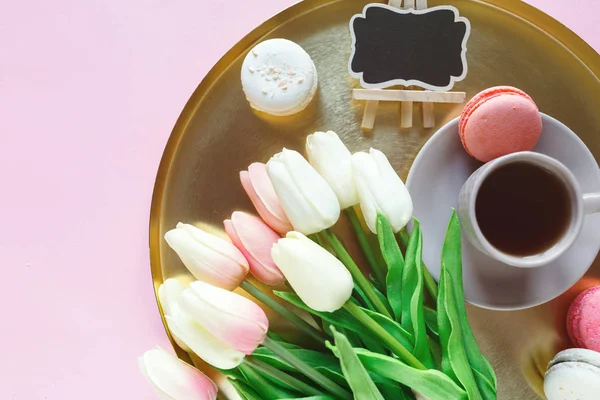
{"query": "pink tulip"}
pixel 255 239
pixel 208 257
pixel 259 188
pixel 173 379
pixel 234 320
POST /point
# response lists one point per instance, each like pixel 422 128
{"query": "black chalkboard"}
pixel 425 48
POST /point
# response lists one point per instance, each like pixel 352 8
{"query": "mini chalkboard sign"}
pixel 406 43
pixel 425 48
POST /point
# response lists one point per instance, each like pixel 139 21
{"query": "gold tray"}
pixel 218 134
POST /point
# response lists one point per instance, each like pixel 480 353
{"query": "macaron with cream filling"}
pixel 279 77
pixel 583 320
pixel 499 121
pixel 573 374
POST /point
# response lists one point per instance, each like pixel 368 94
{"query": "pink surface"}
pixel 89 92
pixel 498 121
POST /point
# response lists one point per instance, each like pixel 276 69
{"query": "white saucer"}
pixel 434 181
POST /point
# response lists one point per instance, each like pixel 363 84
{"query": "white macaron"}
pixel 573 374
pixel 279 77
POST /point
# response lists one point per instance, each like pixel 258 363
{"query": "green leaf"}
pixel 339 318
pixel 370 252
pixel 311 398
pixel 409 278
pixel 395 263
pixel 311 357
pixel 431 383
pixel 408 394
pixel 488 391
pixel 281 341
pixel 359 380
pixel 234 373
pixel 374 345
pixel 413 319
pixel 393 328
pixel 352 337
pixel 384 300
pixel 436 350
pixel 360 297
pixel 283 379
pixel 365 302
pixel 324 363
pixel 454 356
pixel 431 321
pixel 276 381
pixel 343 319
pixel 266 388
pixel 244 390
pixel 392 390
pixel 452 262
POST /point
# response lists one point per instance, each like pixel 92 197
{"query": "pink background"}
pixel 89 92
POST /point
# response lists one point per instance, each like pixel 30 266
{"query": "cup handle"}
pixel 591 203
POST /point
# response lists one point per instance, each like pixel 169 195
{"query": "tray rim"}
pixel 535 17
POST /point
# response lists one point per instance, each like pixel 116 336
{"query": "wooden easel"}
pixel 407 98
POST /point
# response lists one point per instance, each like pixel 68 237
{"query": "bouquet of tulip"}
pixel 393 334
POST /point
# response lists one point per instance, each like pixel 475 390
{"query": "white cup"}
pixel 581 204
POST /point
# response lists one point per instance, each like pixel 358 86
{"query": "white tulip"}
pixel 308 201
pixel 173 379
pixel 168 296
pixel 206 345
pixel 208 257
pixel 332 160
pixel 189 334
pixel 234 319
pixel 380 190
pixel 320 279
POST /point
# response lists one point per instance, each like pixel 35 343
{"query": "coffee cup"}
pixel 524 209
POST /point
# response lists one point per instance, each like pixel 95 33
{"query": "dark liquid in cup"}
pixel 523 209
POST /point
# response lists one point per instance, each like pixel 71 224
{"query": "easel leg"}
pixel 406 114
pixel 409 4
pixel 428 117
pixel 369 115
pixel 421 4
pixel 395 3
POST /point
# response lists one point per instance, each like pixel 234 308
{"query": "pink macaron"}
pixel 583 320
pixel 499 121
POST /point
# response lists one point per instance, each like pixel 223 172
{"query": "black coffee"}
pixel 523 209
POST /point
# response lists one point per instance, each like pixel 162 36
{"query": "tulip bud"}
pixel 332 160
pixel 320 279
pixel 380 190
pixel 233 319
pixel 255 240
pixel 190 334
pixel 206 345
pixel 308 201
pixel 208 257
pixel 173 379
pixel 259 188
pixel 168 296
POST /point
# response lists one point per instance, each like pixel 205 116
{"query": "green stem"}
pixel 430 283
pixel 306 369
pixel 388 340
pixel 315 238
pixel 356 273
pixel 284 312
pixel 378 268
pixel 293 382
